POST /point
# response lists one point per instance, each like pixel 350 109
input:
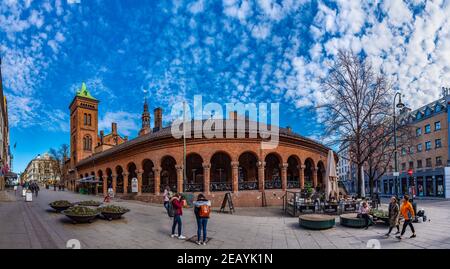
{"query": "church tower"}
pixel 145 120
pixel 83 125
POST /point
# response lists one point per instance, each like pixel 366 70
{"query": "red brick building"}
pixel 213 166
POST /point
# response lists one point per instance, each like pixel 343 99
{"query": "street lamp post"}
pixel 399 105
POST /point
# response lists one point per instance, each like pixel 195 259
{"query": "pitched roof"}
pixel 84 92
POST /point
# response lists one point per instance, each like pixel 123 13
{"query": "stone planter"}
pixel 317 222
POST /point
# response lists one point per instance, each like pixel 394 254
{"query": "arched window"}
pixel 89 119
pixel 87 143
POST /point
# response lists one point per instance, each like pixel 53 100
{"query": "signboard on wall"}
pixel 134 185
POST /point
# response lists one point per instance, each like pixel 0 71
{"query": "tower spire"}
pixel 145 119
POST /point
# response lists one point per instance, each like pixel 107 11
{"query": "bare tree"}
pixel 59 157
pixel 358 104
pixel 380 142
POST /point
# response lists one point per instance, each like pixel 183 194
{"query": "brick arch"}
pixel 168 172
pixel 194 172
pixel 320 170
pixel 109 180
pixel 221 174
pixel 120 180
pixel 132 173
pixel 148 176
pixel 293 171
pixel 309 171
pixel 272 170
pixel 100 177
pixel 248 170
pixel 276 154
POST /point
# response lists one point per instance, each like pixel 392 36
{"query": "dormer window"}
pixel 437 108
pixel 418 115
pixel 427 111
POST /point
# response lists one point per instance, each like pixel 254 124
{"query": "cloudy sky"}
pixel 228 51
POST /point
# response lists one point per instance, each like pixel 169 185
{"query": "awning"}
pixel 90 179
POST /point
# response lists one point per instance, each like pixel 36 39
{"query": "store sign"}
pixel 396 174
pixel 134 185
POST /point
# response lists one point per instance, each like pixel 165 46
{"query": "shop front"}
pixel 426 184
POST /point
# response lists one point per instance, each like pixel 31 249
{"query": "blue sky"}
pixel 227 51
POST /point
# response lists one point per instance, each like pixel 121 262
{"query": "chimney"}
pixel 158 119
pixel 102 134
pixel 114 128
pixel 125 138
pixel 289 129
pixel 233 115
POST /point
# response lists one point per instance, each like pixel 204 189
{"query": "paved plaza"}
pixel 35 225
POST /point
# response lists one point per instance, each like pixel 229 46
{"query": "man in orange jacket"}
pixel 407 212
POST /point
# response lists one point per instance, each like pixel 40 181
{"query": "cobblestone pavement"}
pixel 35 225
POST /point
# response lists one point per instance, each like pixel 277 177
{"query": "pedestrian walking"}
pixel 364 211
pixel 31 188
pixel 202 210
pixel 36 189
pixel 177 203
pixel 394 214
pixel 167 195
pixel 407 212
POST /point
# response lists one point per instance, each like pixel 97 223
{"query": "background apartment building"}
pixel 41 169
pixel 423 166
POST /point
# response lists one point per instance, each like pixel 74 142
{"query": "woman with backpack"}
pixel 177 203
pixel 202 209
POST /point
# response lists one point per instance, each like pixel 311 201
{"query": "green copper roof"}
pixel 83 92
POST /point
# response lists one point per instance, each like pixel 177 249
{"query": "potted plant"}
pixel 60 205
pixel 81 214
pixel 111 212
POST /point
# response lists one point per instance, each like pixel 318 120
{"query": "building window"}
pixel 419 148
pixel 411 150
pixel 87 143
pixel 411 165
pixel 403 166
pixel 87 119
pixel 428 145
pixel 419 163
pixel 428 162
pixel 437 108
pixel 403 151
pixel 439 161
pixel 419 131
pixel 418 115
pixel 438 143
pixel 437 126
pixel 428 112
pixel 427 129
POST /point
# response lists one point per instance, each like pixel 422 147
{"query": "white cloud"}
pixel 197 7
pixel 127 123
